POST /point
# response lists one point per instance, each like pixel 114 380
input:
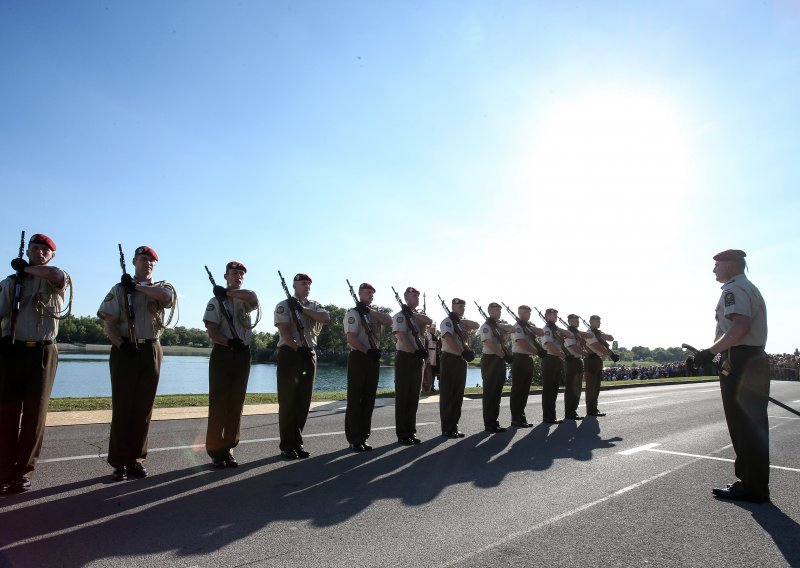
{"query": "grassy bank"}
pixel 190 400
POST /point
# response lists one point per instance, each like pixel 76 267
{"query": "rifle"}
pixel 507 356
pixel 15 304
pixel 128 302
pixel 526 329
pixel 459 331
pixel 364 321
pixel 577 334
pixel 598 334
pixel 412 322
pixel 695 350
pixel 225 308
pixel 295 316
pixel 555 329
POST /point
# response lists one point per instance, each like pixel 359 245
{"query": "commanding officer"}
pixel 552 364
pixel 576 350
pixel 297 363
pixel 28 365
pixel 229 326
pixel 493 367
pixel 363 366
pixel 408 366
pixel 135 362
pixel 455 355
pixel 522 366
pixel 597 343
pixel 741 335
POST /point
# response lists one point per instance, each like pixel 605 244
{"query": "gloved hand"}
pixel 220 292
pixel 468 355
pixel 455 318
pixel 614 357
pixel 235 344
pixel 703 357
pixel 19 264
pixel 127 282
pixel 362 308
pixel 305 353
pixel 421 353
pixel 374 354
pixel 129 348
pixel 492 322
pixel 295 305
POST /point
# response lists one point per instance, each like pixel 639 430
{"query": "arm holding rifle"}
pixel 50 273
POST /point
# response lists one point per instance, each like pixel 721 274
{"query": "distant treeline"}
pixel 331 345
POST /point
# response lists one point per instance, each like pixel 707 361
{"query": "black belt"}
pixel 571 358
pixel 747 350
pixel 33 343
pixel 595 355
pixel 141 341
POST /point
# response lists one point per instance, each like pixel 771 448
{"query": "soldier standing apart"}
pixel 230 328
pixel 576 351
pixel 135 363
pixel 493 367
pixel 453 377
pixel 28 365
pixel 363 366
pixel 408 366
pixel 297 363
pixel 597 344
pixel 522 365
pixel 741 336
pixel 552 364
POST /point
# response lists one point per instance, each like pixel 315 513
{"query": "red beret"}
pixel 40 239
pixel 300 277
pixel 235 265
pixel 366 286
pixel 730 254
pixel 494 305
pixel 524 307
pixel 594 318
pixel 551 311
pixel 459 301
pixel 146 250
pixel 411 290
pixel 572 316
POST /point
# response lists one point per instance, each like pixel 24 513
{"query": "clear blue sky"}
pixel 590 156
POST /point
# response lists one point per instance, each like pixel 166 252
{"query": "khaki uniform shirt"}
pixel 39 296
pixel 519 333
pixel 240 314
pixel 353 324
pixel 491 345
pixel 312 328
pixel 593 343
pixel 400 325
pixel 572 345
pixel 447 327
pixel 149 320
pixel 740 296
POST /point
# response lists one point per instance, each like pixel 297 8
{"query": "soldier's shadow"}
pixel 783 530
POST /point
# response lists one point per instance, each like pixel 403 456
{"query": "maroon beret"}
pixel 40 239
pixel 551 311
pixel 594 318
pixel 572 316
pixel 494 305
pixel 411 290
pixel 524 307
pixel 235 265
pixel 146 250
pixel 730 254
pixel 366 286
pixel 459 301
pixel 300 277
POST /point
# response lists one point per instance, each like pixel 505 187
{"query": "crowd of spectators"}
pixel 785 366
pixel 632 373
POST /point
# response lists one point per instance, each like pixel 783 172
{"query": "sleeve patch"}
pixel 448 324
pixel 210 308
pixel 109 297
pixel 279 310
pixel 729 299
pixel 485 330
pixel 547 332
pixel 351 320
pixel 400 319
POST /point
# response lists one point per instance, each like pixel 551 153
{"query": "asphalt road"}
pixel 630 489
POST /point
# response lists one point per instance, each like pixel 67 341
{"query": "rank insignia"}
pixel 729 299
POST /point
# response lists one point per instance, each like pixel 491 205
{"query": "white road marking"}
pixel 200 446
pixel 638 449
pixel 709 390
pixel 651 448
pixel 784 417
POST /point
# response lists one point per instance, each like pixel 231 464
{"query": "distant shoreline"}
pixel 93 348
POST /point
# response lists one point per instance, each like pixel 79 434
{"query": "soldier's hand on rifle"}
pixel 407 311
pixel 220 292
pixel 235 344
pixel 492 322
pixel 468 355
pixel 362 308
pixel 614 357
pixel 703 357
pixel 294 304
pixel 421 353
pixel 127 282
pixel 374 354
pixel 19 264
pixel 129 348
pixel 455 318
pixel 305 353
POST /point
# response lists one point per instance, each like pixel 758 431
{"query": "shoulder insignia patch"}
pixel 448 324
pixel 729 299
pixel 485 330
pixel 210 308
pixel 547 332
pixel 400 319
pixel 279 310
pixel 109 297
pixel 351 320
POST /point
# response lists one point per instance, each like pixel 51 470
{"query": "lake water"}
pixel 81 375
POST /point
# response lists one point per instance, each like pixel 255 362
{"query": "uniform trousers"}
pixel 745 394
pixel 521 378
pixel 362 384
pixel 295 385
pixel 593 376
pixel 228 372
pixel 493 373
pixel 452 381
pixel 573 377
pixel 407 383
pixel 134 380
pixel 26 380
pixel 552 368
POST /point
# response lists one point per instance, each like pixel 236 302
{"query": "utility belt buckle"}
pixel 31 343
pixel 141 341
